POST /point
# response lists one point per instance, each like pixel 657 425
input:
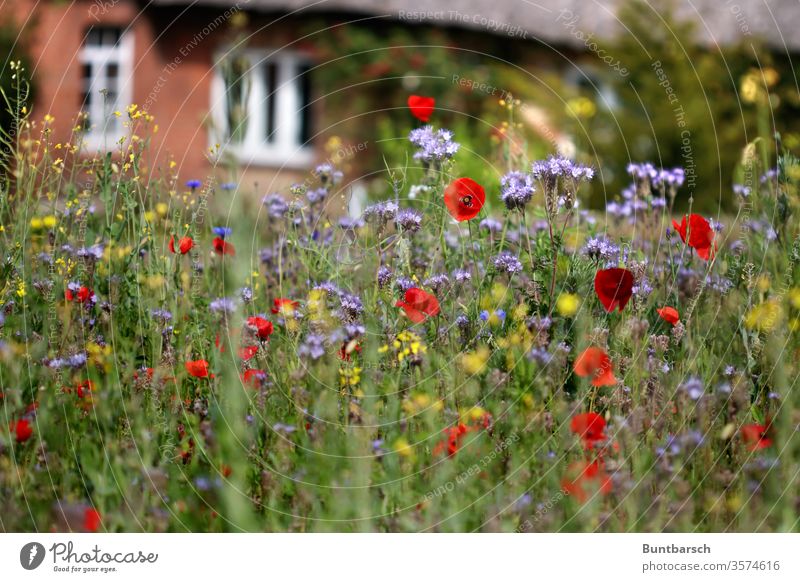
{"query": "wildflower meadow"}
pixel 476 351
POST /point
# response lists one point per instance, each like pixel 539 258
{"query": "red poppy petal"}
pixel 614 288
pixel 464 199
pixel 669 314
pixel 421 107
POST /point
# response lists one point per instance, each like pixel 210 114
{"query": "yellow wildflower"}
pixel 567 304
pixel 764 317
pixel 475 362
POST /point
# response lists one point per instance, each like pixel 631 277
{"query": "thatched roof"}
pixel 718 21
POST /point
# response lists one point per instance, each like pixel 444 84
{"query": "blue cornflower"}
pixel 222 231
pixel 193 184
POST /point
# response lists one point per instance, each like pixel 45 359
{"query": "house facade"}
pixel 185 63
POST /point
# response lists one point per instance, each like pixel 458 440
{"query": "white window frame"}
pixel 99 137
pixel 285 150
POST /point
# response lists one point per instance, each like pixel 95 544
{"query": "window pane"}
pixel 304 80
pixel 93 37
pixel 110 36
pixel 270 85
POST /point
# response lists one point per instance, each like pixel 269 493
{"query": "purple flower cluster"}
pixel 506 262
pixel 223 305
pixel 490 224
pixel 462 276
pixel 74 361
pixel 516 190
pixel 384 276
pixel 408 220
pixel 93 253
pixel 351 306
pixel 559 167
pixel 328 174
pixel 434 145
pixel 693 387
pixel 316 195
pixel 647 171
pixel 742 190
pixel 276 205
pixel 312 347
pixel 599 248
pixel 438 283
pixel 381 212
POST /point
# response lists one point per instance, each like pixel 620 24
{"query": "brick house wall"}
pixel 172 72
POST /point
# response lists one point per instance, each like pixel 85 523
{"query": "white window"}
pixel 106 70
pixel 261 107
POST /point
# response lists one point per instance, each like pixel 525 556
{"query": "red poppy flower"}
pixel 284 306
pixel 91 520
pixel 419 305
pixel 198 368
pixel 590 427
pixel 453 439
pixel 262 326
pixel 223 248
pixel 254 378
pixel 83 295
pixel 584 478
pixel 701 235
pixel 22 430
pixel 595 362
pixel 614 288
pixel 421 107
pixel 148 373
pixel 348 348
pixel 464 198
pixel 85 388
pixel 669 314
pixel 247 352
pixel 756 436
pixel 185 244
pixel 218 344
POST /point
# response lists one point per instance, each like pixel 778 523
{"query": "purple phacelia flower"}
pixel 223 305
pixel 408 220
pixel 328 174
pixel 599 248
pixel 312 347
pixel 433 145
pixel 506 262
pixel 516 190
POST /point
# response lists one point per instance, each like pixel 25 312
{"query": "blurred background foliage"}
pixel 727 97
pixel 13 48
